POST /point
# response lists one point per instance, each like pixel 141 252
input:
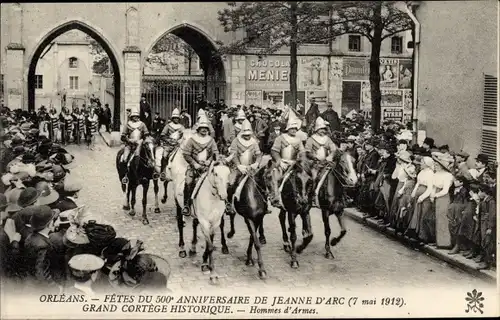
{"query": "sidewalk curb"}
pixel 441 254
pixel 104 139
pixel 108 139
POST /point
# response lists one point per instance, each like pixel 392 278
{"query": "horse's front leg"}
pixel 180 227
pixel 165 190
pixel 132 190
pixel 126 192
pixel 253 234
pixel 156 189
pixel 293 239
pixel 231 232
pixel 343 230
pixel 284 233
pixel 214 278
pixel 194 241
pixel 145 188
pixel 225 249
pixel 325 214
pixel 306 231
pixel 262 237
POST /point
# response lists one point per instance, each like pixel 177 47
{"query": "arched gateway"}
pixel 127 33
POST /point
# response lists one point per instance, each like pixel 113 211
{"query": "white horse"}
pixel 209 206
pixel 175 172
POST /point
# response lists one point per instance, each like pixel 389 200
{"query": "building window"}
pixel 355 43
pixel 73 83
pixel 73 63
pixel 397 44
pixel 38 81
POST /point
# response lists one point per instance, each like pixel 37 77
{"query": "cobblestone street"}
pixel 363 257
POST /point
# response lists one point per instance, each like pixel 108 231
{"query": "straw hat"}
pixel 410 170
pixel 404 156
pixel 445 160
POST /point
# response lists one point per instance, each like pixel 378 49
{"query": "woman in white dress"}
pixel 443 180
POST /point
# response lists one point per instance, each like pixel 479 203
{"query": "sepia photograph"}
pixel 249 160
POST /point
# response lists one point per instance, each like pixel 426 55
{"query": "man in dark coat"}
pixel 145 113
pixel 107 117
pixel 368 176
pixel 311 115
pixel 158 125
pixel 332 117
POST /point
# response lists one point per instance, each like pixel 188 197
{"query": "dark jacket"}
pixel 9 252
pixel 333 119
pixel 370 161
pixel 40 254
pixel 145 107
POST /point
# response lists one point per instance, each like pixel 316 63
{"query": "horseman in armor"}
pixel 284 152
pixel 133 135
pixel 244 154
pixel 238 122
pixel 322 149
pixel 198 152
pixel 172 133
pixel 202 113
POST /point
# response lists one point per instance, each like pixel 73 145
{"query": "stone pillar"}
pixel 14 63
pixel 132 80
pixel 335 83
pixel 237 84
pixel 14 70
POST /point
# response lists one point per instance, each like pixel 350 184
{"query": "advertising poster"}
pixel 392 98
pixel 355 69
pixel 405 74
pixel 268 73
pixel 272 99
pixel 312 73
pixel 407 100
pixel 394 114
pixel 366 96
pixel 351 96
pixel 301 97
pixel 253 97
pixel 319 97
pixel 389 73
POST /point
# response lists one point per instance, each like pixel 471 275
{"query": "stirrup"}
pixel 125 180
pixel 186 211
pixel 163 176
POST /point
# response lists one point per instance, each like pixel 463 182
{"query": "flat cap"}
pixel 86 263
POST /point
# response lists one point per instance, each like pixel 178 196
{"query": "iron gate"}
pixel 164 93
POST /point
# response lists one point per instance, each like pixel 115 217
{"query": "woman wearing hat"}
pixel 443 180
pixel 404 209
pixel 402 160
pixel 198 152
pixel 423 223
pixel 384 181
pixel 368 175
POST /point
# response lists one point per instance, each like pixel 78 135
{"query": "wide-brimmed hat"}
pixel 404 156
pixel 41 217
pixel 71 184
pixel 12 198
pixel 47 194
pixel 429 141
pixel 28 197
pixel 82 264
pixel 75 236
pixel 410 170
pixel 59 172
pixel 445 160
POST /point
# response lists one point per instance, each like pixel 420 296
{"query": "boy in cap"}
pixel 84 270
pixel 488 216
pixel 133 134
pixel 478 172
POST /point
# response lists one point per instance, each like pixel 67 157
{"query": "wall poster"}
pixel 389 73
pixel 272 99
pixel 351 96
pixel 253 97
pixel 366 96
pixel 394 114
pixel 405 74
pixel 312 73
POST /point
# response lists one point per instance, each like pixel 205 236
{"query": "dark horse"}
pixel 140 172
pixel 252 206
pixel 296 201
pixel 341 174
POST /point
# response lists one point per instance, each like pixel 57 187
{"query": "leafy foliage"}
pixel 101 63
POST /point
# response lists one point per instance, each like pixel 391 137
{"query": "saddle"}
pixel 200 182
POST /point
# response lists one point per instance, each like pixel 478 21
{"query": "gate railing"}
pixel 164 93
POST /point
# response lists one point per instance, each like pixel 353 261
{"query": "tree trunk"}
pixel 375 68
pixel 293 54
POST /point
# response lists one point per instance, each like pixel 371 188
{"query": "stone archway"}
pixel 204 46
pixel 75 24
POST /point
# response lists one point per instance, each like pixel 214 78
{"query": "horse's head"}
pixel 148 149
pixel 220 179
pixel 303 178
pixel 345 168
